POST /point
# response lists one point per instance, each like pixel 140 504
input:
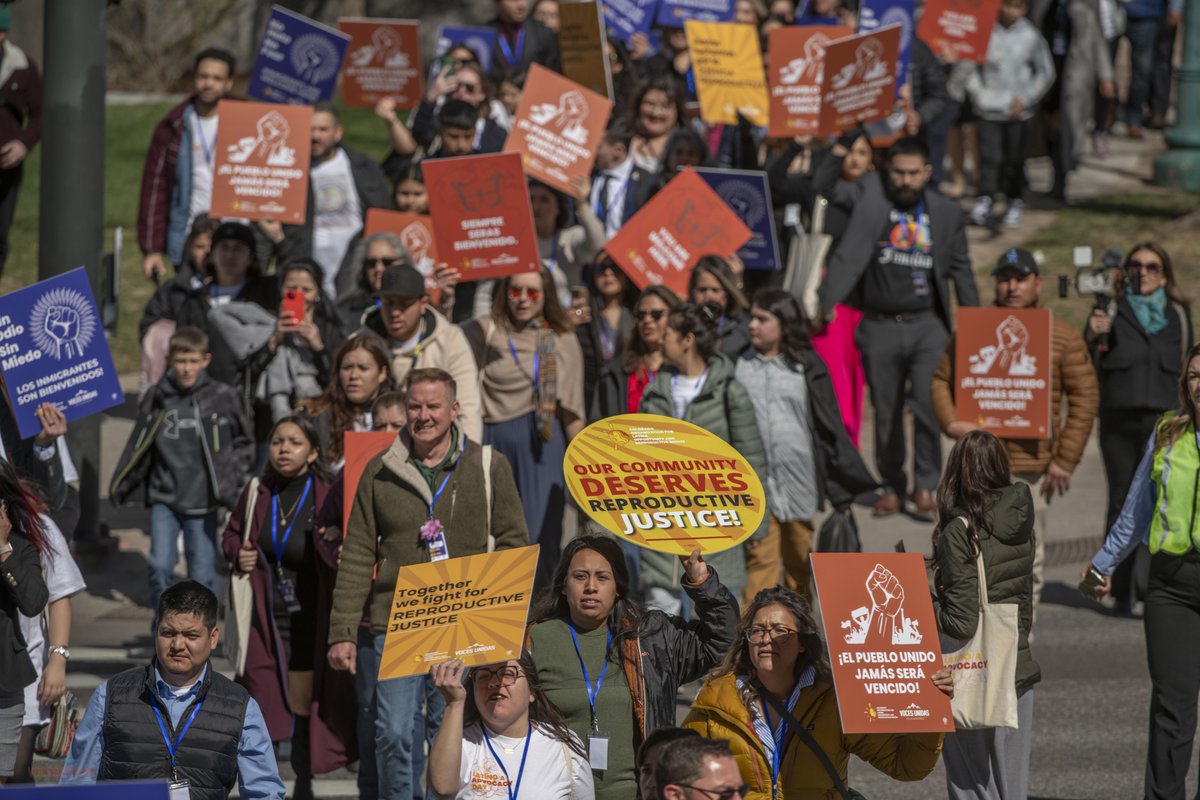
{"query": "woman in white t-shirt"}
pixel 501 737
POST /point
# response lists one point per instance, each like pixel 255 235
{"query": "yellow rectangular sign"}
pixel 730 77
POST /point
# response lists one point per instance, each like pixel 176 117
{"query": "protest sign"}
pixel 795 68
pixel 747 194
pixel 298 60
pixel 479 40
pixel 1002 377
pixel 415 232
pixel 876 14
pixel 358 448
pixel 384 61
pixel 53 350
pixel 664 484
pixel 470 608
pixel 961 27
pixel 625 19
pixel 482 220
pixel 557 128
pixel 673 13
pixel 728 67
pixel 666 237
pixel 261 162
pixel 859 81
pixel 883 642
pixel 582 39
pixel 125 790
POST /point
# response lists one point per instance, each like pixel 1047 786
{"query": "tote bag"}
pixel 238 615
pixel 985 667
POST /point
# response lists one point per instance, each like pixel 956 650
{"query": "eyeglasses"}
pixel 758 633
pixel 724 794
pixel 368 263
pixel 1145 266
pixel 506 676
pixel 469 87
pixel 517 292
pixel 655 314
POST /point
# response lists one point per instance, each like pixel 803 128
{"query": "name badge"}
pixel 287 593
pixel 597 751
pixel 438 549
pixel 179 790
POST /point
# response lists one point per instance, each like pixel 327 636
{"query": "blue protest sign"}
pixel 748 195
pixel 673 13
pixel 53 350
pixel 882 13
pixel 115 790
pixel 480 40
pixel 298 60
pixel 624 18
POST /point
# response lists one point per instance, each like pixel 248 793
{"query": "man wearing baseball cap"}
pixel 420 337
pixel 1045 464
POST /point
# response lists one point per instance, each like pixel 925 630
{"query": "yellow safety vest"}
pixel 1176 475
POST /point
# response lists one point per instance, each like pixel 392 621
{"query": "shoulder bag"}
pixel 240 610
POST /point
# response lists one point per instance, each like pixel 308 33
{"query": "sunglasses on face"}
pixel 517 292
pixel 1145 266
pixel 368 263
pixel 654 314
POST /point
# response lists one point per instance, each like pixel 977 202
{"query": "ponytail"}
pixel 700 321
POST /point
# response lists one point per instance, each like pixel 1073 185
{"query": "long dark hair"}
pixel 796 344
pixel 342 413
pixel 552 310
pixel 635 348
pixel 324 311
pixel 318 469
pixel 737 659
pixel 720 270
pixel 1173 292
pixel 701 322
pixel 975 473
pixel 541 710
pixel 24 508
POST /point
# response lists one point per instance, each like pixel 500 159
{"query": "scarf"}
pixel 1150 309
pixel 547 388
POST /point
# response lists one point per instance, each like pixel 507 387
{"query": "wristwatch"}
pixel 62 651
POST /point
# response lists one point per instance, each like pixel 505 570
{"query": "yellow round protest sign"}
pixel 664 484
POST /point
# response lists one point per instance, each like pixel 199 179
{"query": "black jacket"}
pixel 425 130
pixel 225 440
pixel 610 396
pixel 45 474
pixel 1140 372
pixel 25 593
pixel 206 757
pixel 841 473
pixel 927 82
pixel 541 47
pixel 857 249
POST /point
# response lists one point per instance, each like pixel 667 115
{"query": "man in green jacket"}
pixel 432 495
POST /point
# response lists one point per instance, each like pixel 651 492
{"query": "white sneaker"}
pixel 1012 215
pixel 982 211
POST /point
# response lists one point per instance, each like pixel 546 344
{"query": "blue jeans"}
pixel 199 545
pixel 1143 41
pixel 386 710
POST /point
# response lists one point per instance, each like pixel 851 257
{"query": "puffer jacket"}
pixel 723 407
pixel 1071 374
pixel 1008 561
pixel 720 713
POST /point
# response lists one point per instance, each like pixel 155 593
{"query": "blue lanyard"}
pixel 512 348
pixel 513 788
pixel 509 56
pixel 606 205
pixel 275 521
pixel 780 739
pixel 172 747
pixel 446 479
pixel 592 692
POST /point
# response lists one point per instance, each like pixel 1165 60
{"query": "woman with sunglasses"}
pixel 499 731
pixel 622 383
pixel 607 299
pixel 1137 344
pixel 371 256
pixel 531 386
pixel 778 649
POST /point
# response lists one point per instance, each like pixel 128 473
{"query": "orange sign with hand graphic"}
pixel 260 167
pixel 859 83
pixel 1002 378
pixel 383 60
pixel 664 484
pixel 472 608
pixel 883 642
pixel 795 70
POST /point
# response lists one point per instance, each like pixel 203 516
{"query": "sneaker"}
pixel 982 211
pixel 1012 215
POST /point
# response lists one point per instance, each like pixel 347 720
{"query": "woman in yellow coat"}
pixel 777 641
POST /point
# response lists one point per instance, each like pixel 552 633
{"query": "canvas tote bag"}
pixel 240 611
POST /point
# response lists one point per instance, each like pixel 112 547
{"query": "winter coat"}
pixel 541 47
pixel 1018 66
pixel 735 334
pixel 592 349
pixel 1007 547
pixel 1139 371
pixel 719 713
pixel 167 184
pixel 723 408
pixel 1071 375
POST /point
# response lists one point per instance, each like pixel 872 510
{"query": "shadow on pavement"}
pixel 1064 594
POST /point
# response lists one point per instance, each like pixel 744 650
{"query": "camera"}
pixel 1099 281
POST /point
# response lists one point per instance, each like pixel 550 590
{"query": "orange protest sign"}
pixel 795 67
pixel 359 447
pixel 960 27
pixel 472 608
pixel 728 66
pixel 664 484
pixel 482 221
pixel 1002 376
pixel 415 232
pixel 666 237
pixel 260 168
pixel 383 60
pixel 859 84
pixel 883 642
pixel 557 128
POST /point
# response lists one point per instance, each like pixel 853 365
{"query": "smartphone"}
pixel 448 65
pixel 1087 587
pixel 293 305
pixel 579 295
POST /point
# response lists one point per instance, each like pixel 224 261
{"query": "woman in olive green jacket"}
pixel 698 384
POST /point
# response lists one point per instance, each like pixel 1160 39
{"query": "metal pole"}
pixel 71 215
pixel 1179 167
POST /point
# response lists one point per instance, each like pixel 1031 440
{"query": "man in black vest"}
pixel 176 719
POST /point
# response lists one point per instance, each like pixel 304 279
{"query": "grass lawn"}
pixel 128 136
